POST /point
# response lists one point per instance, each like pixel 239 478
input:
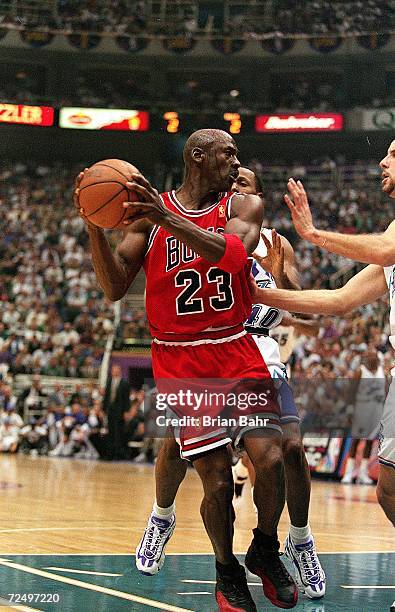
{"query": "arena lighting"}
pixel 103 119
pixel 317 122
pixel 26 115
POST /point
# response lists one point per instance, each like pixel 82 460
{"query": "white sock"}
pixel 240 470
pixel 300 535
pixel 163 512
pixel 364 467
pixel 350 466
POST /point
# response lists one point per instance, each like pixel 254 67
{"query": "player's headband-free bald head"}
pixel 203 139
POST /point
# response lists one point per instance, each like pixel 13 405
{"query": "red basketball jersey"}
pixel 189 299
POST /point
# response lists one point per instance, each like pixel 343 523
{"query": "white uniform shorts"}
pixel 387 428
pixel 270 352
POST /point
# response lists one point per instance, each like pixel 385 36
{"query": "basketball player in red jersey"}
pixel 170 468
pixel 194 246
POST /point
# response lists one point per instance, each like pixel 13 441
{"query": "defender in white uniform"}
pixel 369 403
pixel 369 386
pixel 365 287
pixel 274 265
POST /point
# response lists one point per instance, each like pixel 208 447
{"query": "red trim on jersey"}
pixel 187 447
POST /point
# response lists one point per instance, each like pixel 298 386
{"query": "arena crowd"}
pixel 55 321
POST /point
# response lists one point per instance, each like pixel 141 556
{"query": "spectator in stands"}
pixel 34 438
pixel 89 369
pixel 8 401
pixel 67 337
pixel 10 427
pixel 115 403
pixel 134 424
pixel 98 432
pixel 72 368
pixel 33 397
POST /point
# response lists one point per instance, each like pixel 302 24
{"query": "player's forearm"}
pixel 315 301
pixel 111 275
pixel 366 248
pixel 209 245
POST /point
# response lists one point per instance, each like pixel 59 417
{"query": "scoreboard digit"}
pixel 173 122
pixel 235 123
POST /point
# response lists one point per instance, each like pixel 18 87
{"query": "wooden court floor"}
pixel 66 521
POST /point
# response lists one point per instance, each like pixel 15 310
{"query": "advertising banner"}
pixel 378 119
pixel 103 119
pixel 26 115
pixel 317 122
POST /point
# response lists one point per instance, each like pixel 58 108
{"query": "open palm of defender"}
pixel 300 209
pixel 274 260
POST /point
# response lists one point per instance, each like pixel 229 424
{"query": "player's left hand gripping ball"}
pixel 149 206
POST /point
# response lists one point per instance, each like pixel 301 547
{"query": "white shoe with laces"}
pixel 150 553
pixel 364 479
pixel 347 478
pixel 309 575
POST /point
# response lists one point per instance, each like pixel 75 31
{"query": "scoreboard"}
pixel 171 121
pixel 26 115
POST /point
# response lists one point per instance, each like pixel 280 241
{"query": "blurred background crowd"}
pixel 250 17
pixel 55 321
pixel 252 57
pixel 194 93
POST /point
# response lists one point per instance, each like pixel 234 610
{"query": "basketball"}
pixel 103 191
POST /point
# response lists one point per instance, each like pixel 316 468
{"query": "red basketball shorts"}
pixel 216 391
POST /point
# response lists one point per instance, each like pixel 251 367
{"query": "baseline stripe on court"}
pixel 214 582
pixel 343 586
pixel 76 571
pixel 93 587
pixel 196 593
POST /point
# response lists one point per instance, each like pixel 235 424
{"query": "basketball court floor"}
pixel 69 529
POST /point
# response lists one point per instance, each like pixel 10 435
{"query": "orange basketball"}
pixel 103 191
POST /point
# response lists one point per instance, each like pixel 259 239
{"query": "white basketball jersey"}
pixel 389 272
pixel 285 337
pixel 369 403
pixel 371 386
pixel 262 317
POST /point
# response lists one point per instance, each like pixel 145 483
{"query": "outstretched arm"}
pixel 364 288
pixel 368 248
